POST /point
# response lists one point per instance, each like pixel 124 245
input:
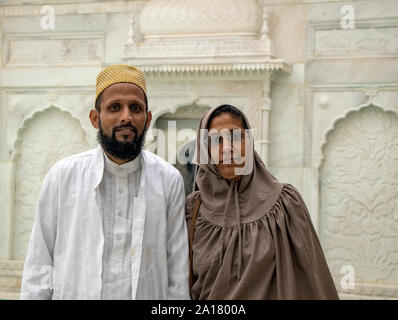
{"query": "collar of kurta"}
pixel 122 169
pixel 99 164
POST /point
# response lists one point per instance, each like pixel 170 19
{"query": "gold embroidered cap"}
pixel 117 73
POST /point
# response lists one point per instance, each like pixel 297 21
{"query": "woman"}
pixel 252 237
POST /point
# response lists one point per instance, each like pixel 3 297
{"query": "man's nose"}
pixel 126 114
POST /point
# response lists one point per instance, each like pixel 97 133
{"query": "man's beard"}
pixel 121 150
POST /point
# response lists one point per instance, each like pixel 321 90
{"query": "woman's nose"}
pixel 226 149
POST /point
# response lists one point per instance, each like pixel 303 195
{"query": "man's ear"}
pixel 148 119
pixel 94 118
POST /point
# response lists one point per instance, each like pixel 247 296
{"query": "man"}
pixel 110 222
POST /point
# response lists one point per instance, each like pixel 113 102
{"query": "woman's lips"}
pixel 231 162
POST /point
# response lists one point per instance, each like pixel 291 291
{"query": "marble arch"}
pixel 347 114
pixel 358 200
pixel 27 120
pixel 46 137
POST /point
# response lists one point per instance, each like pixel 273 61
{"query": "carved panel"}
pixel 10 278
pixel 46 138
pixel 10 9
pixel 194 17
pixel 58 49
pixel 369 39
pixel 359 200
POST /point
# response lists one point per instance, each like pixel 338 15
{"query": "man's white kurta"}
pixel 64 258
pixel 118 189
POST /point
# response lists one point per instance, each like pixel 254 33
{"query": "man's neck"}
pixel 117 160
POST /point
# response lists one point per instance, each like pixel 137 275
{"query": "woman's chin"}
pixel 228 171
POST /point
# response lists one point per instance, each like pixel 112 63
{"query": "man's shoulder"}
pixel 71 162
pixel 159 163
pixel 152 159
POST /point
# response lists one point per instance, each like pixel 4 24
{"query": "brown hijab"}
pixel 255 239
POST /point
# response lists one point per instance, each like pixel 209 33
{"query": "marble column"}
pixel 7 173
pixel 265 121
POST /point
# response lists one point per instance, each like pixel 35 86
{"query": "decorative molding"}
pixel 22 103
pixel 36 113
pixel 338 120
pixel 324 102
pixel 370 291
pixel 3 129
pixel 19 8
pixel 299 2
pixel 199 52
pixel 353 87
pixel 10 275
pixel 306 186
pixel 263 122
pixel 200 18
pixel 371 39
pixel 371 93
pixel 256 103
pixel 314 155
pixel 171 109
pixel 264 33
pixel 216 69
pixel 54 49
pixel 10 282
pixel 307 107
pixel 11 266
pixel 26 10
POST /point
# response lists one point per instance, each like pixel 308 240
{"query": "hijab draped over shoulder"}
pixel 253 239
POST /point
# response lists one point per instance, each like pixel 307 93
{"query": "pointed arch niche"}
pixel 173 135
pixel 182 123
pixel 359 202
pixel 45 138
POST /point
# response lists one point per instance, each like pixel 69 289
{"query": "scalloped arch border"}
pixel 172 110
pixel 360 108
pixel 33 116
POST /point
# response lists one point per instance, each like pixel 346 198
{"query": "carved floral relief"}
pixel 359 197
pixel 46 138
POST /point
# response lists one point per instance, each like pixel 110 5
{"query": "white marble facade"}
pixel 318 81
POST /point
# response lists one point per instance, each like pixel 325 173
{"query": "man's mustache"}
pixel 127 125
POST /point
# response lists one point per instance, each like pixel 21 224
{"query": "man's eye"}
pixel 135 108
pixel 114 107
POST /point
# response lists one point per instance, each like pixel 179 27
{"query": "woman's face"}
pixel 227 144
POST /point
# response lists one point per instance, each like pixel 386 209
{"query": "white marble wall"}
pixel 337 76
pixel 48 76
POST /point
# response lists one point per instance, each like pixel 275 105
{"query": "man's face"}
pixel 122 120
